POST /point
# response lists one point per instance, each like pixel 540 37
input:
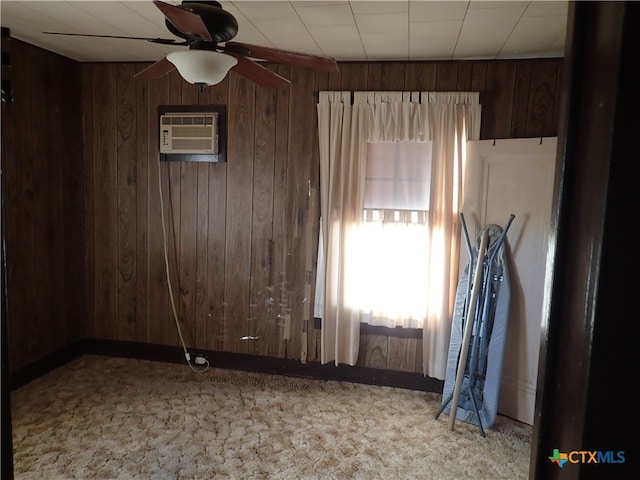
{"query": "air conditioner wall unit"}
pixel 192 133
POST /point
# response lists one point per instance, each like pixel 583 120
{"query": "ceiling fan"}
pixel 206 29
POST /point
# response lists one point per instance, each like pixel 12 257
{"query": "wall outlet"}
pixel 200 360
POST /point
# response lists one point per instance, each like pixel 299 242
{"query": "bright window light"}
pixel 387 256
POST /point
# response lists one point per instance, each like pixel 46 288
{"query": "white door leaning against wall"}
pixel 504 177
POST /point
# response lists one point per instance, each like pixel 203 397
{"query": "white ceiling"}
pixel 355 30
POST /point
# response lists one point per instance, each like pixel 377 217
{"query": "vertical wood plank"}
pixel 479 84
pixel 420 77
pixel 73 253
pixel 362 350
pixel 302 127
pixel 479 77
pixel 143 184
pixel 353 76
pixel 402 354
pixel 88 168
pixel 310 249
pixel 172 182
pixel 418 367
pixel 313 230
pixel 393 75
pixel 541 114
pixel 376 351
pixel 521 100
pixel 54 187
pixel 239 201
pixel 374 77
pixel 201 236
pixel 10 178
pixel 446 76
pixel 158 299
pixel 216 234
pixel 276 344
pixel 40 340
pixel 498 108
pixel 186 291
pixel 18 164
pixel 105 206
pixel 465 76
pixel 126 201
pixel 334 80
pixel 188 230
pixel 262 324
pixel 202 255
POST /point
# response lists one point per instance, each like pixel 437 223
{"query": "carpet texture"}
pixel 112 418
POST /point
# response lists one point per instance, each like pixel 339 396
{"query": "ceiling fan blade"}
pixel 259 74
pixel 156 70
pixel 317 62
pixel 187 21
pixel 165 41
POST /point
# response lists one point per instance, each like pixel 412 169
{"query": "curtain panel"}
pixel 347 121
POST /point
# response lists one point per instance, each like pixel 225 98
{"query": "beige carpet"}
pixel 111 418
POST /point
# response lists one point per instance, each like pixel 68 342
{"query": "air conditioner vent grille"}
pixel 189 133
pixel 191 144
pixel 192 132
pixel 179 119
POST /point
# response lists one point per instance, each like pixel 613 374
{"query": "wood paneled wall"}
pixel 42 195
pixel 235 231
pixel 84 214
pixel 242 236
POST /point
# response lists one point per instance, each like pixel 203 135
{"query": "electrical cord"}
pixel 187 356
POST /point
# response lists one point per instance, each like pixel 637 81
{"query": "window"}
pixel 398 176
pixel 389 256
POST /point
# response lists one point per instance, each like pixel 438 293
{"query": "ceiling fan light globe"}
pixel 202 66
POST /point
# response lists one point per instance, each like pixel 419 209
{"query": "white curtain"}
pixel 347 122
pixel 342 134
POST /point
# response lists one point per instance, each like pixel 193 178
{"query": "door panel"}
pixel 504 177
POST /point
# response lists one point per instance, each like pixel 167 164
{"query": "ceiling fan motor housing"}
pixel 222 25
